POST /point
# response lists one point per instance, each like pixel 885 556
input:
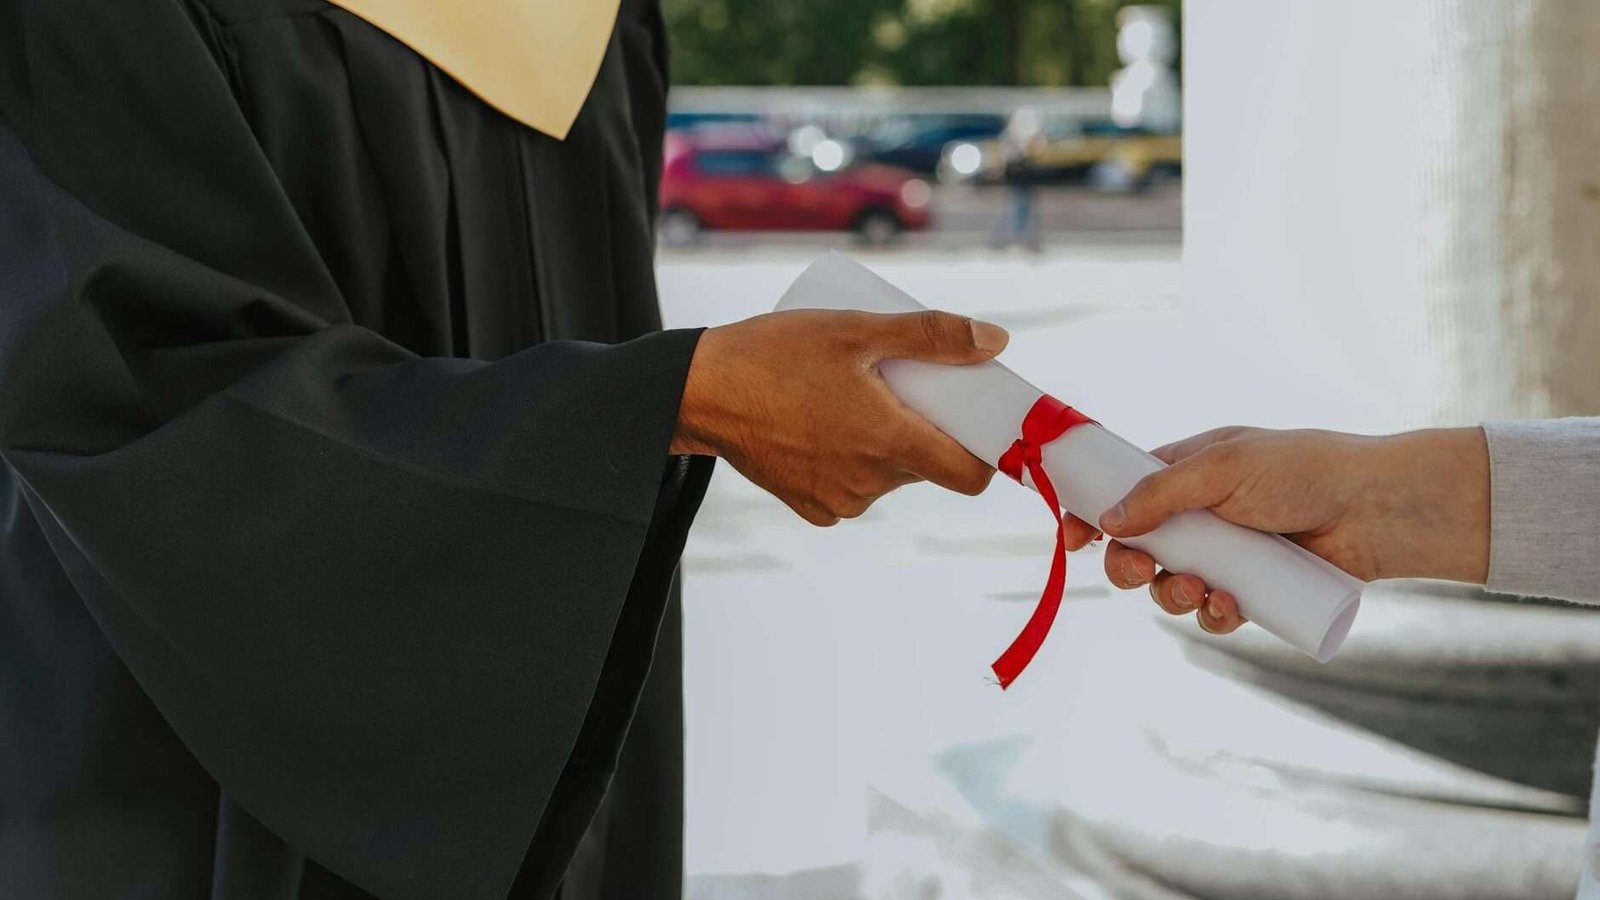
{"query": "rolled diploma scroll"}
pixel 1293 594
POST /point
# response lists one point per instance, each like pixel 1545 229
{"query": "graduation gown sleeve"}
pixel 373 593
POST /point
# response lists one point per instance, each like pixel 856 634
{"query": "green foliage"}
pixel 770 41
pixel 908 42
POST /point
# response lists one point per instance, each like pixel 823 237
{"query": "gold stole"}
pixel 534 60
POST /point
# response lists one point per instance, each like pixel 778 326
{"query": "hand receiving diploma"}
pixel 1411 505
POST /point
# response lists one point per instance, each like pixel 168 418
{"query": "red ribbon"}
pixel 1046 420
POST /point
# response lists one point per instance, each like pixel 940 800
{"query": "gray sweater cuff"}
pixel 1544 481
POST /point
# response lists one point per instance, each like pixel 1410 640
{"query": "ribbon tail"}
pixel 1031 638
pixel 1046 420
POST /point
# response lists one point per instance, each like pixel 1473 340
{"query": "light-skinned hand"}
pixel 1407 505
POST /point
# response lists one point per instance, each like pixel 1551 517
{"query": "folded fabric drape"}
pixel 534 60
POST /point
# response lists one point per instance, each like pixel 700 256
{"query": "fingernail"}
pixel 1212 611
pixel 1130 572
pixel 1180 596
pixel 1113 518
pixel 989 338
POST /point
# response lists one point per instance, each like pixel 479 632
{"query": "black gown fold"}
pixel 337 523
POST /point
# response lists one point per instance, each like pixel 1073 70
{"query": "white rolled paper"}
pixel 1297 596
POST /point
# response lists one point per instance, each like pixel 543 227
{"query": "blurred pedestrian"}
pixel 1017 223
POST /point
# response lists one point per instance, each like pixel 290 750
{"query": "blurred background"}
pixel 909 125
pixel 1365 215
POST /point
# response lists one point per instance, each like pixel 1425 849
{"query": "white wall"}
pixel 1395 197
pixel 1301 176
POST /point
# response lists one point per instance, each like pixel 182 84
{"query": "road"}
pixel 963 216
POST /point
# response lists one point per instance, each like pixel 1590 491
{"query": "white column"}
pixel 1408 194
pixel 1547 300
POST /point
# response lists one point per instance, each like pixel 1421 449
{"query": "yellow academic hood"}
pixel 534 60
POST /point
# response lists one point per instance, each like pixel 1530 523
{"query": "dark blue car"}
pixel 916 141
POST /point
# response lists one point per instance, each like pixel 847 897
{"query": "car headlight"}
pixel 915 193
pixel 830 155
pixel 966 159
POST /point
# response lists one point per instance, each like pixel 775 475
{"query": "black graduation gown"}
pixel 337 521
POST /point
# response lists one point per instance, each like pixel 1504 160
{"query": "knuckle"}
pixel 844 504
pixel 820 518
pixel 935 325
pixel 854 508
pixel 1222 454
pixel 812 511
pixel 854 334
pixel 977 480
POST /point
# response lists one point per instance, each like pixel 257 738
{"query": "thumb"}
pixel 941 337
pixel 1196 482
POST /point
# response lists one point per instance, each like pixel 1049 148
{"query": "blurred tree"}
pixel 911 42
pixel 771 41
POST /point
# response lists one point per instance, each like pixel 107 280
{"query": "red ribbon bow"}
pixel 1046 420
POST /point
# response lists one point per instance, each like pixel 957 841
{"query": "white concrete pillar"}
pixel 1408 194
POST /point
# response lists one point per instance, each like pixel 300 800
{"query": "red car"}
pixel 747 180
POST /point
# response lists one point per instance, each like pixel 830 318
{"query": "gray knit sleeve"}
pixel 1545 508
